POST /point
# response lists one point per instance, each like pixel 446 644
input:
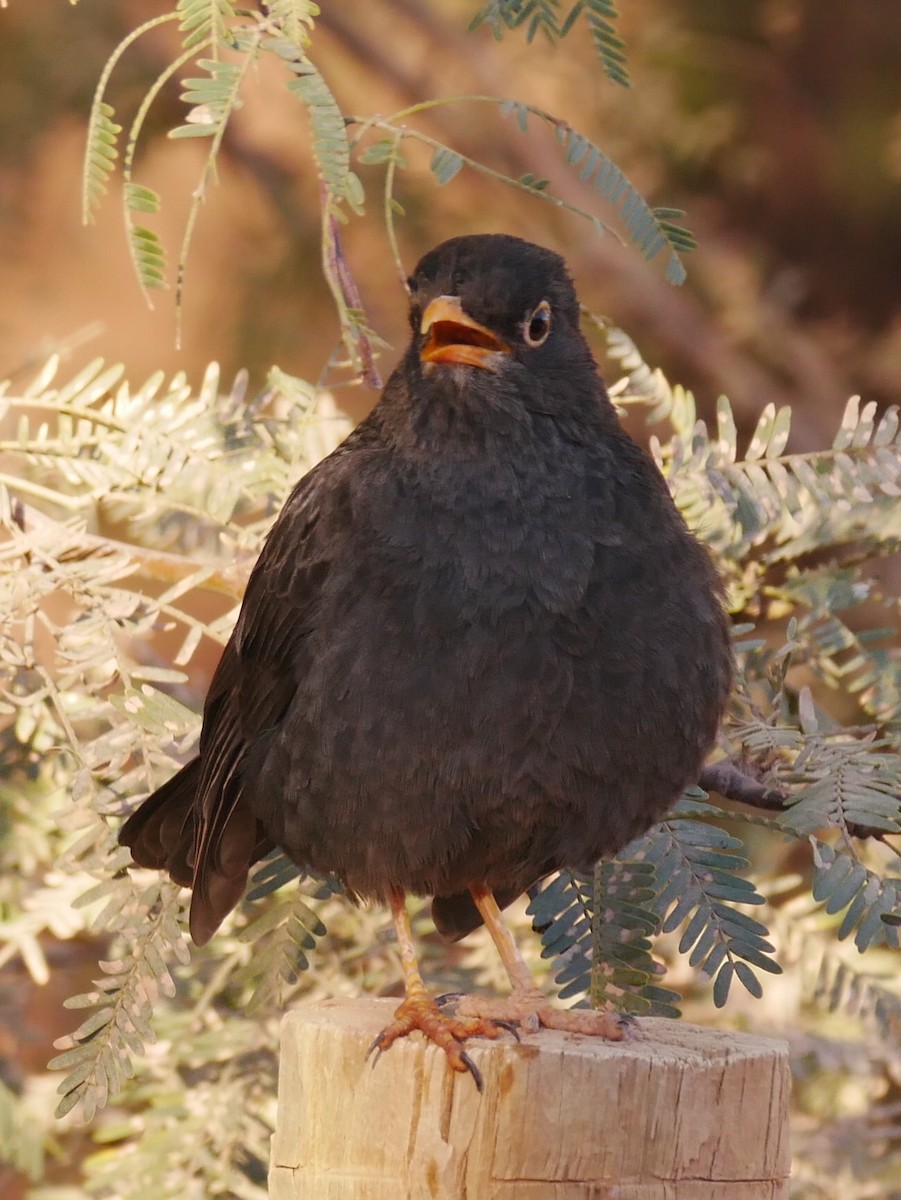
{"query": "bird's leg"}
pixel 420 1010
pixel 527 1005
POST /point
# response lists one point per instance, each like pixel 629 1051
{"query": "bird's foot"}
pixel 447 1031
pixel 530 1010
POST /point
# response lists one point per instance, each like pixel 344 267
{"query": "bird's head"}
pixel 494 313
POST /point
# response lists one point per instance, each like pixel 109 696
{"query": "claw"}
pixel 377 1047
pixel 422 1012
pixel 449 998
pixel 472 1069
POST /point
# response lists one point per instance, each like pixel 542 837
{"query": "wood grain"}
pixel 677 1113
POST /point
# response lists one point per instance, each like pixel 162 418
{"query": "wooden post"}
pixel 677 1113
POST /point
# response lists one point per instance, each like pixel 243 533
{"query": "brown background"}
pixel 775 123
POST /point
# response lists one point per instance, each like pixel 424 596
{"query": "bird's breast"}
pixel 486 534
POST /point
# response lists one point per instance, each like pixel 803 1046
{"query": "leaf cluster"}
pixel 129 519
pixel 545 17
pixel 98 712
pixel 222 43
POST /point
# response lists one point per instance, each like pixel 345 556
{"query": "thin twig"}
pixel 725 778
pixel 158 565
pixel 341 279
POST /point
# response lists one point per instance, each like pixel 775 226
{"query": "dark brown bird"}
pixel 479 644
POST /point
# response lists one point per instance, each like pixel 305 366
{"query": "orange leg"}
pixel 527 1005
pixel 419 1009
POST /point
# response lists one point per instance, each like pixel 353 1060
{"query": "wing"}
pixel 253 687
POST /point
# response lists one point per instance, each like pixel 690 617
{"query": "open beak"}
pixel 454 337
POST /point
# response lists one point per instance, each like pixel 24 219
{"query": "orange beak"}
pixel 454 337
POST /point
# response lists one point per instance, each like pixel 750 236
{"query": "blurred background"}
pixel 776 125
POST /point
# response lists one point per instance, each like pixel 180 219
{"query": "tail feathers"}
pixel 160 833
pixel 163 833
pixel 456 916
pixel 220 879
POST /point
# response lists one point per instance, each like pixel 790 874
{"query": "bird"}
pixel 479 646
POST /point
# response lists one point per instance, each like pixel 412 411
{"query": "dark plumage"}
pixel 479 643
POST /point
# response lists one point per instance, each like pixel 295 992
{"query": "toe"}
pixel 531 1010
pixel 607 1025
pixel 439 1027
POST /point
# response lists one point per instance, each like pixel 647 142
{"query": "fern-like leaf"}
pixel 148 256
pixel 562 912
pixel 98 1054
pixel 205 22
pixel 282 938
pixel 839 988
pixel 213 99
pixel 624 972
pixel 793 502
pixel 600 15
pixel 844 784
pixel 445 165
pixel 872 903
pixel 597 930
pixel 101 149
pixel 498 15
pixel 650 229
pixel 535 15
pixel 141 199
pixel 272 873
pixel 295 18
pixel 101 153
pixel 543 16
pixel 331 148
pixel 699 885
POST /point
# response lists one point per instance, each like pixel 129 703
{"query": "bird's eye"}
pixel 538 325
pixel 412 286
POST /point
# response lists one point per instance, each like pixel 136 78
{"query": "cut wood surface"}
pixel 676 1113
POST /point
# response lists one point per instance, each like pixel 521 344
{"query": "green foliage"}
pixel 101 640
pixel 194 481
pixel 871 903
pixel 840 988
pixel 204 22
pixel 330 145
pixel 147 255
pixel 624 974
pixel 98 1053
pixel 282 937
pixel 683 875
pixel 844 784
pixel 21 1137
pixel 188 477
pixel 212 99
pixel 599 16
pixel 701 889
pixel 649 229
pixel 545 17
pixel 598 932
pixel 101 157
pixel 224 41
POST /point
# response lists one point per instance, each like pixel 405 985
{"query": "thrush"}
pixel 479 645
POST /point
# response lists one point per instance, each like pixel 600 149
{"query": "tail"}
pixel 456 916
pixel 166 833
pixel 160 833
